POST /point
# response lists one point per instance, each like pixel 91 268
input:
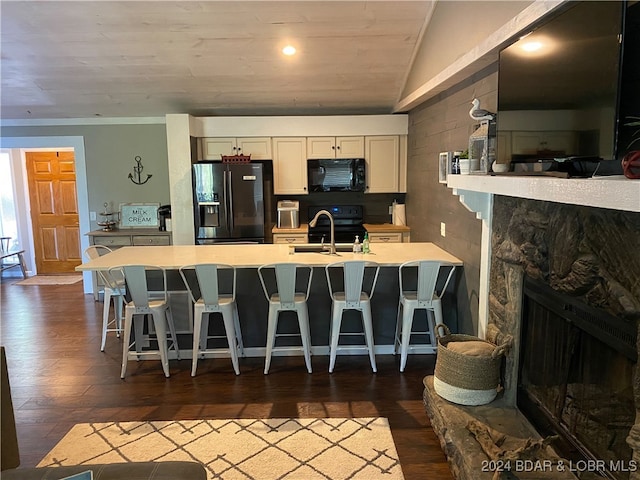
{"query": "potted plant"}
pixel 465 165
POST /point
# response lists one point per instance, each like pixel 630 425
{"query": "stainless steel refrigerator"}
pixel 228 202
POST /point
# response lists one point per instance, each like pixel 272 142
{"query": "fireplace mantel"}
pixel 614 192
pixel 476 194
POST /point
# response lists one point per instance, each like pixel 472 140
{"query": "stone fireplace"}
pixel 575 376
pixel 564 281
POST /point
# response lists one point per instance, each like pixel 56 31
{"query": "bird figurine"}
pixel 480 114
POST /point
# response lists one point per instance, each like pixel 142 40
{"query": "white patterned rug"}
pixel 243 449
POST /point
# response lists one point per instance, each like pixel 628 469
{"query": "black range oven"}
pixel 348 220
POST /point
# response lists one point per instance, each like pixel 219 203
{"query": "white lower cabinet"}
pixel 125 238
pixel 290 165
pixel 387 233
pixel 385 237
pixel 290 238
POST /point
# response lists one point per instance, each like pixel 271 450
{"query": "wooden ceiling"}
pixel 80 59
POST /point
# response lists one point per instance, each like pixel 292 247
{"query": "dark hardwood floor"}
pixel 59 378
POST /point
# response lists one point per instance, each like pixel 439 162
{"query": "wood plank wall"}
pixel 443 124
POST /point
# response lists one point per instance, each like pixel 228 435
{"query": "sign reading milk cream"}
pixel 139 215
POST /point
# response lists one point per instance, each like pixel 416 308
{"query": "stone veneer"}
pixel 589 253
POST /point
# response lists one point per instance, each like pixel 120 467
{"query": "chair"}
pixel 6 252
pixel 145 304
pixel 426 296
pixel 114 288
pixel 203 283
pixel 285 298
pixel 354 297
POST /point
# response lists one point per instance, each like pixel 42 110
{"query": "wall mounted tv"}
pixel 558 85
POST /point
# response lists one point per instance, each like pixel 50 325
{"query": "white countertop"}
pixel 252 256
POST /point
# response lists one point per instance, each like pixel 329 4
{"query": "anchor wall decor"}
pixel 136 176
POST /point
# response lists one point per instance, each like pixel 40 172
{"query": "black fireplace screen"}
pixel 576 377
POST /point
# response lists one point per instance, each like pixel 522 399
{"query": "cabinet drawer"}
pixel 294 238
pixel 385 237
pixel 140 240
pixel 116 241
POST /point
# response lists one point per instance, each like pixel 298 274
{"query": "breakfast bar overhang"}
pixel 252 305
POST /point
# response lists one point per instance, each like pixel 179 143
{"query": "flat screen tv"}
pixel 559 86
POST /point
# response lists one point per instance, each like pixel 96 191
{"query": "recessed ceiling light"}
pixel 289 50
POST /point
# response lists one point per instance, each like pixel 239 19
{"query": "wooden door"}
pixel 54 211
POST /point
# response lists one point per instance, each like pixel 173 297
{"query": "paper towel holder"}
pixel 398 216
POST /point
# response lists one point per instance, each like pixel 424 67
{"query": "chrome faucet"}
pixel 312 223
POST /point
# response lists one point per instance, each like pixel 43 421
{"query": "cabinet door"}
pixel 214 148
pixel 382 156
pixel 112 241
pixel 142 240
pixel 321 147
pixel 561 142
pixel 393 237
pixel 258 147
pixel 526 143
pixel 349 147
pixel 289 165
pixel 503 147
pixel 532 142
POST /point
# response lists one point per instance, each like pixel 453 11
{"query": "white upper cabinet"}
pixel 212 148
pixel 258 147
pixel 386 164
pixel 335 147
pixel 290 166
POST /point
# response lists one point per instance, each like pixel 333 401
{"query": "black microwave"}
pixel 336 175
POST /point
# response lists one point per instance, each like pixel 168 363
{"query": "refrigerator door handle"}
pixel 225 194
pixel 231 214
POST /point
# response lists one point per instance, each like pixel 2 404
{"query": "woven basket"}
pixel 466 379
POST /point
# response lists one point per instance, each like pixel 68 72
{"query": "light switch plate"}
pixel 442 229
pixel 92 216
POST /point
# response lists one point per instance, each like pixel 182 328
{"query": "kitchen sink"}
pixel 317 248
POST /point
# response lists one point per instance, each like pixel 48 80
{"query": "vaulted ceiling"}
pixel 79 59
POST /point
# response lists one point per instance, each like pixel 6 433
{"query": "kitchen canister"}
pixel 467 368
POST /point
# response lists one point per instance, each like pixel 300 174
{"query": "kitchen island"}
pixel 252 305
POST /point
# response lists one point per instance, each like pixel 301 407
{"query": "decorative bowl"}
pixel 500 167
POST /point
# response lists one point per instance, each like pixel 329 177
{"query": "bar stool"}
pixel 114 289
pixel 285 298
pixel 354 297
pixel 426 296
pixel 145 304
pixel 203 282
